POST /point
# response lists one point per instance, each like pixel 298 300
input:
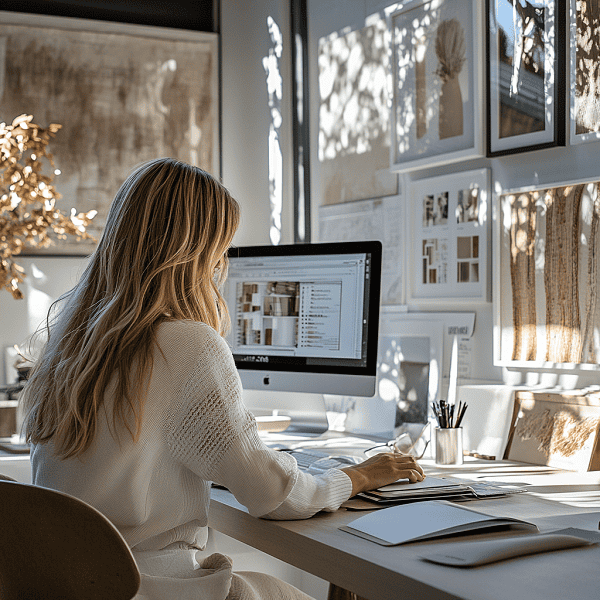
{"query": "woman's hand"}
pixel 383 469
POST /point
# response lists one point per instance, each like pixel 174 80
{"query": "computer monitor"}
pixel 305 317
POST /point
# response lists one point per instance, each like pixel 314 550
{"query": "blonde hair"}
pixel 162 256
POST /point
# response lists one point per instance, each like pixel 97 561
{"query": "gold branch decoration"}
pixel 28 213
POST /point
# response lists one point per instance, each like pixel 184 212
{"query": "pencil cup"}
pixel 449 446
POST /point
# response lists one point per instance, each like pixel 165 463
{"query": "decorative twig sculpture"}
pixel 28 213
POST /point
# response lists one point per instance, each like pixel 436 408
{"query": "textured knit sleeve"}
pixel 212 433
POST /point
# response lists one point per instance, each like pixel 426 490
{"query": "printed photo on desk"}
pixel 409 378
pixel 547 278
pixel 448 229
pixel 558 430
pixel 437 83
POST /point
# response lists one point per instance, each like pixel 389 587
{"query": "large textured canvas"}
pixel 123 94
pixel 548 282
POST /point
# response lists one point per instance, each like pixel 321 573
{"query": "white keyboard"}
pixel 317 461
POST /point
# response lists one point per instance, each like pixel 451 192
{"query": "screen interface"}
pixel 294 310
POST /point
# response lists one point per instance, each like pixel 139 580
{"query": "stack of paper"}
pixel 428 489
pixel 432 488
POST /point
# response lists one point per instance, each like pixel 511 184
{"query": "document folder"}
pixel 432 519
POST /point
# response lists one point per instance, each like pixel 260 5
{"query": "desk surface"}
pixel 556 500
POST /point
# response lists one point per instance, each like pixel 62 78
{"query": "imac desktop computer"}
pixel 305 321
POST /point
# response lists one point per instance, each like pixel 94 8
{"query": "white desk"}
pixel 395 573
pixel 379 573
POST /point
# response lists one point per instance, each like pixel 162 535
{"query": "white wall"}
pixel 47 278
pixel 550 166
pixel 245 42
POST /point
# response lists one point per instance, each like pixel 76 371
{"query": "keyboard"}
pixel 317 461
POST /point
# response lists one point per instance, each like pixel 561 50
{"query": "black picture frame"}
pixel 526 99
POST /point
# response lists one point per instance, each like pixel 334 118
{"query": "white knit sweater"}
pixel 195 429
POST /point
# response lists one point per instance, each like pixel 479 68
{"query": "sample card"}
pixel 449 231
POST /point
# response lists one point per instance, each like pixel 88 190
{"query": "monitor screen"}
pixel 305 317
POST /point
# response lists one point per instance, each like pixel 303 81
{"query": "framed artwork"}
pixel 558 430
pixel 547 280
pixel 122 93
pixel 525 75
pixel 448 234
pixel 437 83
pixel 585 71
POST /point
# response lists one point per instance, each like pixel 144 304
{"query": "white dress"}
pixel 156 490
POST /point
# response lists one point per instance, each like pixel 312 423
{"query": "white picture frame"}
pixel 535 324
pixel 449 237
pixel 437 112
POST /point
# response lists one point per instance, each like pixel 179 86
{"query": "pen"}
pixel 461 415
pixel 448 415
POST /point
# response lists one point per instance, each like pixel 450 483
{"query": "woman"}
pixel 135 403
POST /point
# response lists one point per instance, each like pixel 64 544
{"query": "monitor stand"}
pixel 306 412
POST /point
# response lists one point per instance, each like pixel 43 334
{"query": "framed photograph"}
pixel 585 71
pixel 558 430
pixel 123 94
pixel 525 75
pixel 437 83
pixel 448 232
pixel 547 280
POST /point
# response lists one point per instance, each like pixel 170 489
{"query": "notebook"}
pixel 428 520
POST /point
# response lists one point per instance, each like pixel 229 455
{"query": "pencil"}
pixel 461 415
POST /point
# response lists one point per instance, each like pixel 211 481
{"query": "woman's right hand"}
pixel 383 469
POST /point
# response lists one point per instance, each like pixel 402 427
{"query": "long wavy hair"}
pixel 162 256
